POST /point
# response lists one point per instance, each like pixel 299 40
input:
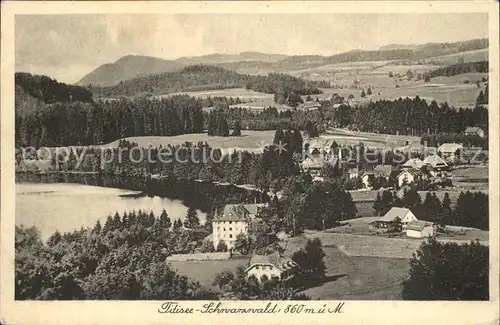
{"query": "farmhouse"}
pixel 419 229
pixel 320 146
pixel 313 165
pixel 408 176
pixel 228 225
pixel 379 171
pixel 405 217
pixel 474 131
pixel 272 266
pixel 414 163
pixel 450 151
pixel 436 162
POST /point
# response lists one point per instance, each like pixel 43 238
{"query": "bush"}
pixel 221 246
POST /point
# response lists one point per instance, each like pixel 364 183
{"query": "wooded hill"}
pixel 202 77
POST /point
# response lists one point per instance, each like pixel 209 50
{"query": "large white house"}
pixel 228 225
pixel 272 266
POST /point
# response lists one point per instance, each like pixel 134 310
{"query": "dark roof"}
pixel 234 212
pixel 413 172
pixel 275 259
pixel 418 225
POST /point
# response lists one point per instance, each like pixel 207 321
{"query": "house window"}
pixel 230 229
pixel 230 236
pixel 230 222
pixel 256 267
pixel 224 229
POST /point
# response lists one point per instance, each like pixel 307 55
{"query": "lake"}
pixel 66 207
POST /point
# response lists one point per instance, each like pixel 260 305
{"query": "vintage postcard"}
pixel 251 162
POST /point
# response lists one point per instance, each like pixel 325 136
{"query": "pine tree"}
pixel 192 219
pixel 165 221
pixel 369 91
pixel 363 94
pixel 237 129
pixel 97 228
pixel 177 224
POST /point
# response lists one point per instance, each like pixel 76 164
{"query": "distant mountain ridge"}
pixel 134 66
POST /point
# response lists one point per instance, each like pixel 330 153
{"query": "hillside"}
pixel 35 88
pixel 128 67
pixel 203 77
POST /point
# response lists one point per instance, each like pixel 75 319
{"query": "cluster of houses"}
pixel 322 151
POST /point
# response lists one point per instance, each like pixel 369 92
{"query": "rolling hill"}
pixel 130 67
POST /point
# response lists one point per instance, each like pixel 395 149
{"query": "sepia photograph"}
pixel 239 156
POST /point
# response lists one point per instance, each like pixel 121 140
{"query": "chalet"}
pixel 314 165
pixel 435 162
pixel 419 229
pixel 450 151
pixel 228 225
pixel 320 146
pixel 414 163
pixel 409 176
pixel 310 106
pixel 405 217
pixel 474 131
pixel 272 266
pixel 379 171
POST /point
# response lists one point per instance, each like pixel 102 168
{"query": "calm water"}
pixel 66 207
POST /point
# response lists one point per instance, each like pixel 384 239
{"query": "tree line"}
pixel 49 90
pixel 414 117
pixel 78 123
pixel 459 68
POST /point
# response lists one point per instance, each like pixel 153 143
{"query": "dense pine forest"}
pixel 414 116
pixel 49 90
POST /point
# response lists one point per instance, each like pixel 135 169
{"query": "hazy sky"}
pixel 67 47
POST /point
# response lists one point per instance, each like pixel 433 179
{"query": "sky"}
pixel 67 47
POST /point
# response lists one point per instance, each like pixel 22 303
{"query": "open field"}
pixel 355 277
pixel 360 226
pixel 469 56
pixel 252 99
pixel 360 278
pixel 343 136
pixel 254 140
pixel 205 271
pixel 376 76
pixel 249 140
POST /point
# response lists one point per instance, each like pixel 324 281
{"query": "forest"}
pixel 204 77
pixel 459 68
pixel 49 90
pixel 124 259
pixel 413 116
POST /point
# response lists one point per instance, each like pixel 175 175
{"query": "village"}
pixel 420 169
